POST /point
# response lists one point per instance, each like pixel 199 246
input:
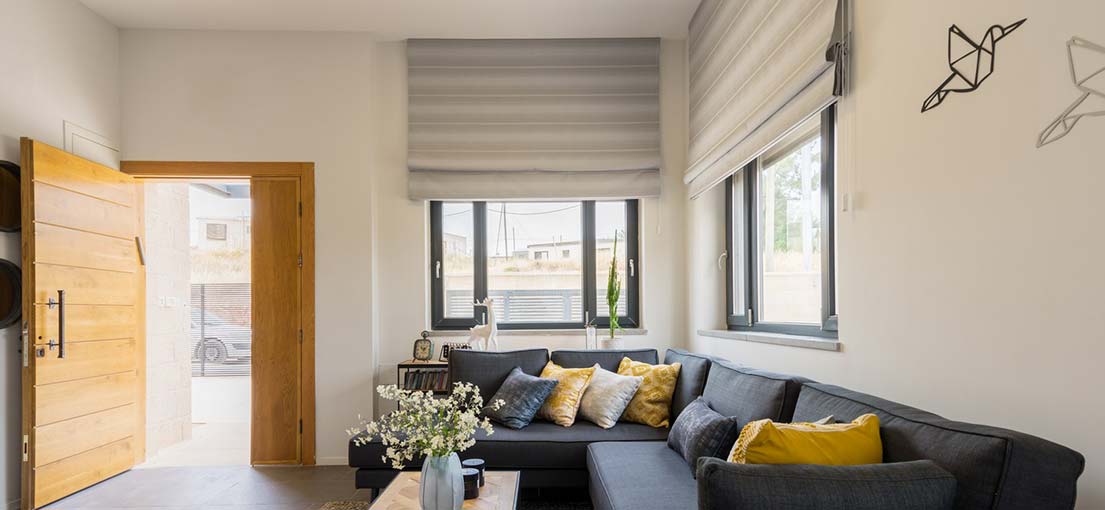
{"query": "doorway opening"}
pixel 200 334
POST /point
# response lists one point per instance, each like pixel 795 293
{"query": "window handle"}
pixel 721 260
pixel 632 269
pixel 437 270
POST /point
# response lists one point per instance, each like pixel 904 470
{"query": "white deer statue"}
pixel 485 336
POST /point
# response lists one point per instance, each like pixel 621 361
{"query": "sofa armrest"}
pixel 918 485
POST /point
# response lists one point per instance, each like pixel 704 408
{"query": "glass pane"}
pixel 457 276
pixel 738 256
pixel 610 224
pixel 535 261
pixel 790 235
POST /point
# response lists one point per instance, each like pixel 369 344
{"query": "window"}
pixel 216 231
pixel 545 264
pixel 780 235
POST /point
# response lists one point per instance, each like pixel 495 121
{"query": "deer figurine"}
pixel 485 336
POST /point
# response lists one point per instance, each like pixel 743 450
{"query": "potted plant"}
pixel 433 429
pixel 613 294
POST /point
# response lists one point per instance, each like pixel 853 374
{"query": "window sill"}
pixel 536 332
pixel 805 342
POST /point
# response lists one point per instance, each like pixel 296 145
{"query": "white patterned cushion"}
pixel 607 397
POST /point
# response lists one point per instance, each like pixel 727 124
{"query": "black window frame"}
pixel 748 319
pixel 631 283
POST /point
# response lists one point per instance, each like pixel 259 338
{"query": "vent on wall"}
pixel 90 145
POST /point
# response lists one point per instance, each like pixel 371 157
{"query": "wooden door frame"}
pixel 154 171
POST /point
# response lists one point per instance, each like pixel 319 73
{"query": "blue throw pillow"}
pixel 522 395
pixel 701 432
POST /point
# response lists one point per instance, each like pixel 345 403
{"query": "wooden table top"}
pixel 499 492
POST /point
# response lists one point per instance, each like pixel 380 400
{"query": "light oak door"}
pixel 83 295
pixel 277 266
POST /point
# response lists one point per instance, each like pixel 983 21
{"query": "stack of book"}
pixel 426 380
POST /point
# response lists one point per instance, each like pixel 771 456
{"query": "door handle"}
pixel 61 323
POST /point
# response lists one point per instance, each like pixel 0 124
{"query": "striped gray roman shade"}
pixel 758 68
pixel 533 119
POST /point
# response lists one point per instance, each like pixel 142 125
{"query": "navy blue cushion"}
pixel 522 395
pixel 701 432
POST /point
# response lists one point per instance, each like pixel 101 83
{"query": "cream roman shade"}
pixel 533 119
pixel 758 68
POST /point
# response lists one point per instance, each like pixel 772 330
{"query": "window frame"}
pixel 749 202
pixel 631 284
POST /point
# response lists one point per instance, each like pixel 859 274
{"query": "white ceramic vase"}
pixel 614 342
pixel 441 486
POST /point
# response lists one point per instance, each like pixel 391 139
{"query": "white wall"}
pixel 402 229
pixel 168 317
pixel 288 96
pixel 61 63
pixel 970 271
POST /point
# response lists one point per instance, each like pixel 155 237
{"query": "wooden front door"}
pixel 82 345
pixel 277 267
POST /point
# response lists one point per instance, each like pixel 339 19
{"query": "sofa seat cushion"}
pixel 749 394
pixel 692 377
pixel 608 359
pixel 541 445
pixel 488 370
pixel 639 476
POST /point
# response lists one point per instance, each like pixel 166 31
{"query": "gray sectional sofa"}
pixel 930 462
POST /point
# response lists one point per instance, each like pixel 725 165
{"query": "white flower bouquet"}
pixel 425 426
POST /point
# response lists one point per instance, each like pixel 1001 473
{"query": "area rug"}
pixel 522 505
pixel 345 505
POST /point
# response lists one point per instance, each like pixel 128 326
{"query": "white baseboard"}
pixel 331 461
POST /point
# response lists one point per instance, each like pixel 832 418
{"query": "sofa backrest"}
pixel 608 359
pixel 995 468
pixel 488 369
pixel 692 377
pixel 749 394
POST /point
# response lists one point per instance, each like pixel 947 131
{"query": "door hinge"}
pixel 300 426
pixel 301 336
pixel 300 261
pixel 26 447
pixel 749 317
pixel 301 209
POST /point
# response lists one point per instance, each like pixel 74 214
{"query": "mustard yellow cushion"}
pixel 563 403
pixel 838 444
pixel 651 404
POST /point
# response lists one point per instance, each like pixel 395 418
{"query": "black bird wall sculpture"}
pixel 970 62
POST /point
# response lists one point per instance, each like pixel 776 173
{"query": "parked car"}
pixel 225 341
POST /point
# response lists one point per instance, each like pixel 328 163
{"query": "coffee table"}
pixel 499 492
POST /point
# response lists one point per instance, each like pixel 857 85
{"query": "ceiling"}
pixel 400 19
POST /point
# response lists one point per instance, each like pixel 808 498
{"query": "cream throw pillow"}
pixel 607 397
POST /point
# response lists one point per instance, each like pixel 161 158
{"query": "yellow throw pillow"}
pixel 563 403
pixel 838 444
pixel 652 403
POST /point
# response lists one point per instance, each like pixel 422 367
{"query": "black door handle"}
pixel 61 323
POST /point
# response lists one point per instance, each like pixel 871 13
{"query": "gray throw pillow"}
pixel 701 432
pixel 522 395
pixel 607 397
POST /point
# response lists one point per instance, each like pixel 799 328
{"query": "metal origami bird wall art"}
pixel 1087 71
pixel 970 62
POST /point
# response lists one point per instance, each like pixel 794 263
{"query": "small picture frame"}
pixel 448 347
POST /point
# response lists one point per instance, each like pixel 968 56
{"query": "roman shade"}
pixel 533 119
pixel 758 68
